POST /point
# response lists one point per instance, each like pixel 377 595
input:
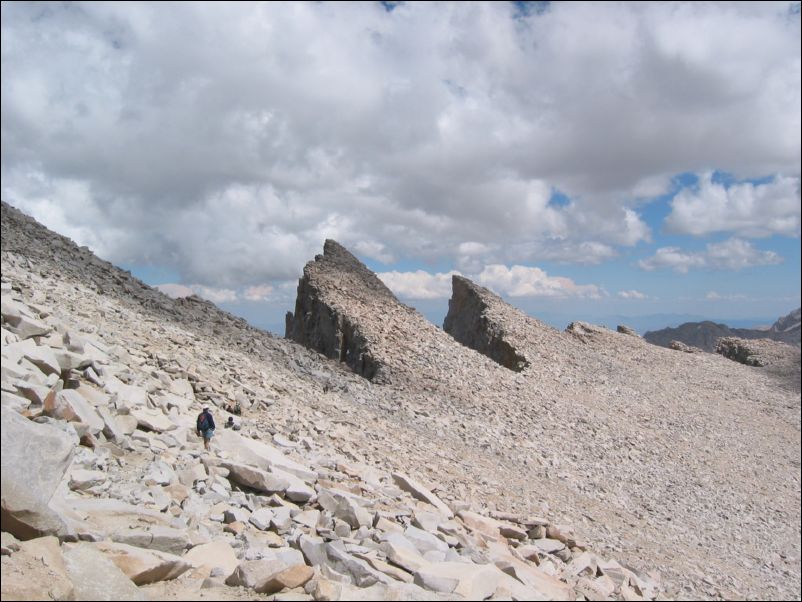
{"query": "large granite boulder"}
pixel 36 571
pixel 35 458
pixel 95 577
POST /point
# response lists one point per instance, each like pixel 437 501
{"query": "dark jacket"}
pixel 209 421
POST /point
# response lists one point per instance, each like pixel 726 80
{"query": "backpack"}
pixel 203 422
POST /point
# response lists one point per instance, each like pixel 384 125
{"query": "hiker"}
pixel 205 427
pixel 231 425
pixel 234 408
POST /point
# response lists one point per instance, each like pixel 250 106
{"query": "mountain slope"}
pixel 789 324
pixel 331 479
pixel 637 436
pixel 629 444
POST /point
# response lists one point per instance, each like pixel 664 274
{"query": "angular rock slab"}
pixel 260 480
pixel 217 554
pixel 72 406
pixel 153 420
pixel 96 577
pixel 261 455
pixel 109 518
pixel 473 581
pixel 255 574
pixel 288 578
pixel 144 566
pixel 154 537
pixel 36 572
pixel 420 492
pixel 34 460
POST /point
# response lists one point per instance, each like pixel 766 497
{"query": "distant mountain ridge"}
pixel 705 334
pixel 789 323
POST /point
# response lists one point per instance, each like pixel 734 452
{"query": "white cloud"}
pixel 215 295
pixel 514 281
pixel 714 296
pixel 746 209
pixel 402 134
pixel 735 254
pixel 674 258
pixel 175 290
pixel 262 292
pixel 418 284
pixel 732 254
pixel 586 252
pixel 472 248
pixel 652 186
pixel 632 294
pixel 374 250
pixel 523 281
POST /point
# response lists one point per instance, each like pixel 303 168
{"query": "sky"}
pixel 600 161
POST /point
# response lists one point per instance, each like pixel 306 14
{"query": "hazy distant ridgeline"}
pixel 705 334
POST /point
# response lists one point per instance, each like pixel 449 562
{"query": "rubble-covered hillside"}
pixel 607 468
pixel 105 479
pixel 663 449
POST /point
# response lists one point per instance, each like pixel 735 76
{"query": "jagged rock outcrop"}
pixel 680 346
pixel 624 329
pixel 779 359
pixel 738 351
pixel 321 322
pixel 469 322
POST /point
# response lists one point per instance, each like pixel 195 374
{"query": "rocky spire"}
pixel 321 322
pixel 467 321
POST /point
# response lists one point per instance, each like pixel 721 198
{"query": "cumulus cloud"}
pixel 215 295
pixel 674 258
pixel 522 281
pixel 632 294
pixel 418 284
pixel 258 293
pixel 513 281
pixel 373 250
pixel 747 209
pixel 175 290
pixel 714 296
pixel 735 254
pixel 154 135
pixel 732 254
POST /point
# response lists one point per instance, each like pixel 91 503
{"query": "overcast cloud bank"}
pixel 227 141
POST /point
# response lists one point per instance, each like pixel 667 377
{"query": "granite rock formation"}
pixel 325 325
pixel 779 359
pixel 469 321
